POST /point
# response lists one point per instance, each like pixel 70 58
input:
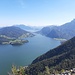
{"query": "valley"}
pixel 37 37
pixel 34 44
pixel 23 55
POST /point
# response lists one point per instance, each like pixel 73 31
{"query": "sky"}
pixel 36 12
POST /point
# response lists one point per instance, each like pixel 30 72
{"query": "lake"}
pixel 24 54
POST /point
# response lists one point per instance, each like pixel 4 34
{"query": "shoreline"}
pixel 60 39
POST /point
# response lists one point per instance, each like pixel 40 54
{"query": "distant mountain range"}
pixel 25 27
pixel 65 31
pixel 61 57
pixel 14 32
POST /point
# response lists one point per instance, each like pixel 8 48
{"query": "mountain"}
pixel 65 31
pixel 46 30
pixel 61 57
pixel 69 25
pixel 29 28
pixel 14 32
pixel 24 27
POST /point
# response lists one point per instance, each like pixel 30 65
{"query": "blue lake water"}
pixel 24 54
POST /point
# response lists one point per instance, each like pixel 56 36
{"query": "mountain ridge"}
pixel 65 31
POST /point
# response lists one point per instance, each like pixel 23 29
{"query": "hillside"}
pixel 4 40
pixel 14 32
pixel 46 30
pixel 66 29
pixel 61 57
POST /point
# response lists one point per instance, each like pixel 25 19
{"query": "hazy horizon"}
pixel 36 12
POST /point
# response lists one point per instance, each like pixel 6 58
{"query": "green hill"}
pixel 13 35
pixel 14 32
pixel 62 57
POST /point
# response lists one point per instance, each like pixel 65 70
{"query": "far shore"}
pixel 60 39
